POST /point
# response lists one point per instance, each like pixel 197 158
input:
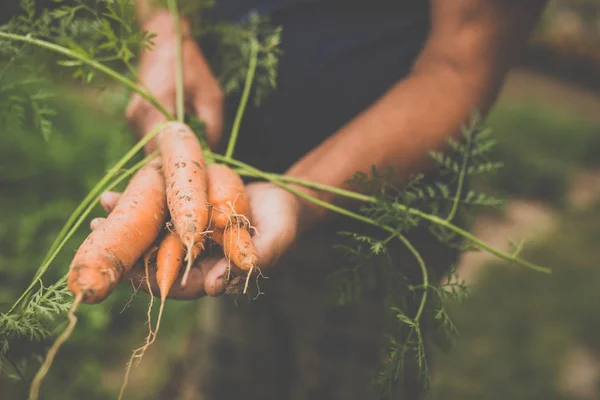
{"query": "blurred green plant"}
pixel 541 149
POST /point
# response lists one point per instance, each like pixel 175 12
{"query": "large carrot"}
pixel 114 247
pixel 227 196
pixel 186 183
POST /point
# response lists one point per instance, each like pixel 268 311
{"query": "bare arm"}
pixel 461 69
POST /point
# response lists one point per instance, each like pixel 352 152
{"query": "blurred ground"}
pixel 525 85
pixel 526 335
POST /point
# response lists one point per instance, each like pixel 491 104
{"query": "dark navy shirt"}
pixel 339 56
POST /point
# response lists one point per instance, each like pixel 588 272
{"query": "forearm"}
pixel 461 69
pixel 415 116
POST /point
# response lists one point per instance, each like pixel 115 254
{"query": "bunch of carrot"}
pixel 176 190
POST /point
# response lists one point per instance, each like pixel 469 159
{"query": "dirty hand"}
pixel 275 214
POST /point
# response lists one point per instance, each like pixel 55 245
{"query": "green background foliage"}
pixel 542 147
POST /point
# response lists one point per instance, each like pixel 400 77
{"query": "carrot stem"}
pixel 180 99
pixel 244 100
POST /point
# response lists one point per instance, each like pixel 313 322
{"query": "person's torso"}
pixel 338 57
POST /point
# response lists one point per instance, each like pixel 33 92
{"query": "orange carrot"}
pixel 237 246
pixel 227 196
pixel 229 217
pixel 168 262
pixel 186 182
pixel 129 230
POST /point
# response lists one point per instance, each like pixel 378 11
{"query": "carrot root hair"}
pixel 258 276
pixel 135 290
pixel 139 352
pixel 41 374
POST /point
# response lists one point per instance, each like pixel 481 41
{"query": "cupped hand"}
pixel 203 94
pixel 275 217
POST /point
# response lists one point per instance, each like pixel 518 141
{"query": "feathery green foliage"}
pixel 372 261
pixel 234 51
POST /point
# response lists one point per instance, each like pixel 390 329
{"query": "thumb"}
pixel 214 281
pixel 209 109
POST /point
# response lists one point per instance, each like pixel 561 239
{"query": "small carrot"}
pixel 186 184
pixel 129 230
pixel 237 246
pixel 168 262
pixel 227 196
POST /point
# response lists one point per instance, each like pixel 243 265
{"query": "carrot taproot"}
pixel 227 196
pixel 168 263
pixel 186 185
pixel 129 230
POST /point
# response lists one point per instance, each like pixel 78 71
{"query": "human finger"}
pixel 109 200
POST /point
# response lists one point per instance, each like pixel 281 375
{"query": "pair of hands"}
pixel 274 212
